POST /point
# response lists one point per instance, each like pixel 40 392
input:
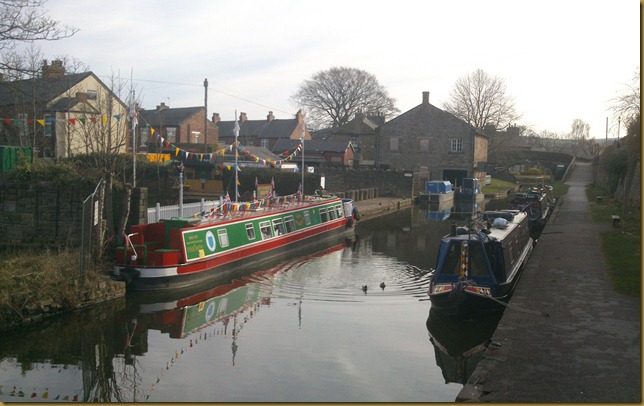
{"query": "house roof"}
pixel 276 128
pixel 312 147
pixel 41 90
pixel 440 119
pixel 167 116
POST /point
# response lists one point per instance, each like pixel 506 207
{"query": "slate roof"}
pixel 41 90
pixel 440 119
pixel 277 128
pixel 311 147
pixel 167 117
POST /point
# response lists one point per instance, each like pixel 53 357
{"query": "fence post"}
pixel 157 216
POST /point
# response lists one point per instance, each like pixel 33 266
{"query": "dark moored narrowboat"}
pixel 478 268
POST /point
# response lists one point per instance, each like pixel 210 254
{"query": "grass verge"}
pixel 622 245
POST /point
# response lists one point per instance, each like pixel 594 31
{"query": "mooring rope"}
pixel 538 313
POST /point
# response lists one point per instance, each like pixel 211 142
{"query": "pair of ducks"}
pixel 365 288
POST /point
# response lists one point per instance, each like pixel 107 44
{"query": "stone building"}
pixel 428 139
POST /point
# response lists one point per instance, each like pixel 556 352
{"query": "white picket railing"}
pixel 166 212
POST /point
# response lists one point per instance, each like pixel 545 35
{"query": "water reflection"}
pixel 459 344
pixel 156 346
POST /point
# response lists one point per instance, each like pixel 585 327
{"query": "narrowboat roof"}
pixel 494 232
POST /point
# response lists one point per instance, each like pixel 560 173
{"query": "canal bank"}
pixel 588 349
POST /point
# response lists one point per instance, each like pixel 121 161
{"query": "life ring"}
pixel 355 213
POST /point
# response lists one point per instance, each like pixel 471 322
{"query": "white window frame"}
pixel 456 145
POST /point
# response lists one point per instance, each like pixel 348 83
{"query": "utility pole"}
pixel 205 116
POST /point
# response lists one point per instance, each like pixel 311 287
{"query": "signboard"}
pixel 199 243
pixel 264 190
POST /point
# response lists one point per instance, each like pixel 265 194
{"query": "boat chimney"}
pixel 452 229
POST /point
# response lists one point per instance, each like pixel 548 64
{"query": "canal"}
pixel 348 324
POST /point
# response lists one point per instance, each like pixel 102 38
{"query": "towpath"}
pixel 589 349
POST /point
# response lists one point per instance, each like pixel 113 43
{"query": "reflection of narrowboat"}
pixel 477 268
pixel 459 344
pixel 181 312
pixel 187 251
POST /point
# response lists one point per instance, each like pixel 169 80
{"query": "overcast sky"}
pixel 561 59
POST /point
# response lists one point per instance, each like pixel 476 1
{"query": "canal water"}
pixel 304 331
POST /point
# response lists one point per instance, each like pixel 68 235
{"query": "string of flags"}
pixel 51 120
pixel 178 152
pixel 236 147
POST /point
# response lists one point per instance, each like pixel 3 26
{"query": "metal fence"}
pixel 187 209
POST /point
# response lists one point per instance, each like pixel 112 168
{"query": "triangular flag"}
pixel 41 122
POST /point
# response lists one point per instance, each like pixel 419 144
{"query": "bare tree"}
pixel 332 97
pixel 626 106
pixel 27 21
pixel 481 100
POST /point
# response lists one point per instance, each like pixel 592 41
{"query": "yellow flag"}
pixel 41 122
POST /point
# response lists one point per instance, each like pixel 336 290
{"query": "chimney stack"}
pixel 216 118
pixel 425 97
pixel 162 106
pixel 242 118
pixel 270 117
pixel 55 70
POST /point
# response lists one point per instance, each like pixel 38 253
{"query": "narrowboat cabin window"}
pixel 222 233
pixel 278 226
pixel 340 211
pixel 289 223
pixel 323 215
pixel 331 213
pixel 307 218
pixel 250 231
pixel 265 229
pixel 477 261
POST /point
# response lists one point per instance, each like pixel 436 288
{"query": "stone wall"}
pixel 387 183
pixel 42 213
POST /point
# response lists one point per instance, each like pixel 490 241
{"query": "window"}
pixel 307 218
pixel 332 213
pixel 393 144
pixel 323 215
pixel 289 223
pixel 423 144
pixel 171 134
pixel 278 226
pixel 265 229
pixel 91 94
pixel 265 143
pixel 250 231
pixel 48 123
pixel 340 210
pixel 457 145
pixel 222 233
pixel 23 128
